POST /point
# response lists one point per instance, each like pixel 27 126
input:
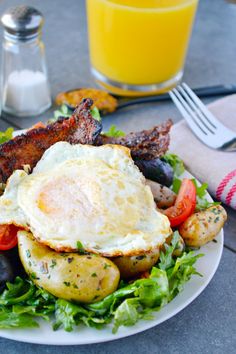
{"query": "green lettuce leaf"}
pixel 63 111
pixel 126 314
pixel 95 114
pixel 113 132
pixel 175 162
pixel 68 315
pixel 202 202
pixel 66 112
pixel 182 272
pixel 65 313
pixel 17 292
pixel 167 260
pixel 154 291
pixel 6 136
pixel 13 320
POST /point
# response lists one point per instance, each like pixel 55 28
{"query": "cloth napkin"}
pixel 217 168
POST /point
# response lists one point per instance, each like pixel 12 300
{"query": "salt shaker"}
pixel 25 87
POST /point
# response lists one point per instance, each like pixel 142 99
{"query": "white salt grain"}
pixel 27 91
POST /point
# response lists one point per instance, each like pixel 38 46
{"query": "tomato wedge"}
pixel 184 205
pixel 8 236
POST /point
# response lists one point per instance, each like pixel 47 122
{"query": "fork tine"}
pixel 208 125
pixel 199 118
pixel 209 116
pixel 187 113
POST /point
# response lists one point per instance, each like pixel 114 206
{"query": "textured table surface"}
pixel 208 325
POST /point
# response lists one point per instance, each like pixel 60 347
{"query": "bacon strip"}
pixel 27 149
pixel 145 145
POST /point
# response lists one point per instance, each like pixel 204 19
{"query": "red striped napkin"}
pixel 217 168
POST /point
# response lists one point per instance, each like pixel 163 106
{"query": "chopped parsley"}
pixel 66 283
pixel 28 254
pixel 216 219
pixel 80 247
pixel 106 266
pixel 54 263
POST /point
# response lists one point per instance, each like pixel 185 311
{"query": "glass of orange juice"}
pixel 138 47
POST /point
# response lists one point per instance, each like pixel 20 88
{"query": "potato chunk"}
pixel 70 276
pixel 132 266
pixel 203 226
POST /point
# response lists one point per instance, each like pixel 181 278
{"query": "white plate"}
pixel 206 265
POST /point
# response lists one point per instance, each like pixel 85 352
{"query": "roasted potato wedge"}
pixel 203 226
pixel 82 278
pixel 132 266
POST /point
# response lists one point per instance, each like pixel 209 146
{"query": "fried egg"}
pixel 86 196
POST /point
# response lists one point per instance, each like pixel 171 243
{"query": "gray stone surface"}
pixel 208 325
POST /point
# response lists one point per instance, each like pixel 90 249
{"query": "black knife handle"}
pixel 202 92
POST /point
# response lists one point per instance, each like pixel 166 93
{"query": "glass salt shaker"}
pixel 25 87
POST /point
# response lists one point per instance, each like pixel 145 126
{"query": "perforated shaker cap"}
pixel 22 21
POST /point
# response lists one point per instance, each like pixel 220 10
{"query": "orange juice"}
pixel 139 42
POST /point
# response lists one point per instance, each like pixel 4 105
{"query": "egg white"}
pixel 81 194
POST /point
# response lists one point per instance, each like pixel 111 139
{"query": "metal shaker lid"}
pixel 22 21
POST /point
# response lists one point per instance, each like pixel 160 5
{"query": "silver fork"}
pixel 202 122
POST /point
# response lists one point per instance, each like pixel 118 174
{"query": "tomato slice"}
pixel 8 236
pixel 184 205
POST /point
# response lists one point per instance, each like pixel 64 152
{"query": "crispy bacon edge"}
pixel 144 145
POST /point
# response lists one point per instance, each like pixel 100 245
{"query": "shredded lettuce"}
pixel 22 302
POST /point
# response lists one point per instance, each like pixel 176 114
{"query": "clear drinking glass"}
pixel 138 47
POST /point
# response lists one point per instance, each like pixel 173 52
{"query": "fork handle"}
pixel 201 92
